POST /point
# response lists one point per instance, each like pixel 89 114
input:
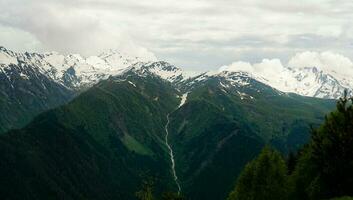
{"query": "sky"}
pixel 196 35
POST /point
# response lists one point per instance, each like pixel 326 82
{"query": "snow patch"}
pixel 133 84
pixel 6 59
pixel 183 99
pixel 24 76
pixel 244 95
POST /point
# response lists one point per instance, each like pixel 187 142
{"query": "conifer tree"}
pixel 325 169
pixel 332 152
pixel 264 178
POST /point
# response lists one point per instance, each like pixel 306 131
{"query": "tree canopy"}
pixel 265 178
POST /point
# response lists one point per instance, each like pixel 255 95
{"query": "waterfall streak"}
pixel 171 154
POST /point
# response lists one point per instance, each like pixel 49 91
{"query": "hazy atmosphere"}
pixel 194 34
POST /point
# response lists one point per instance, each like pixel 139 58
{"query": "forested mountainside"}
pixel 31 83
pixel 322 169
pixel 106 141
pixel 35 82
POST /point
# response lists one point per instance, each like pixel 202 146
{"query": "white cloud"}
pixel 327 61
pixel 269 67
pixel 18 40
pixel 64 28
pixel 266 68
pixel 239 66
pixel 191 33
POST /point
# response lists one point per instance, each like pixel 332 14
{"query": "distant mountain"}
pixel 32 83
pixel 25 92
pixel 73 71
pixel 103 143
pixel 121 120
pixel 308 81
pixel 99 146
pixel 218 111
pixel 160 69
pixel 77 72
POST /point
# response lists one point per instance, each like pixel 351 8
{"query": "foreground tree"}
pixel 264 178
pixel 325 170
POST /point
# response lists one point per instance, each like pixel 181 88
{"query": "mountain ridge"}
pixel 114 133
pixel 306 81
pixel 76 72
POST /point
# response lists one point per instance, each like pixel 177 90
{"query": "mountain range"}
pixel 77 72
pixel 95 131
pixel 75 127
pixel 309 81
pixel 34 82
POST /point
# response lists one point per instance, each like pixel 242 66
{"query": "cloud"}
pixel 239 66
pixel 326 61
pixel 18 40
pixel 64 28
pixel 197 34
pixel 265 68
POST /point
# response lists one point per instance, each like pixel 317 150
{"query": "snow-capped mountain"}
pixel 311 81
pixel 76 72
pixel 161 69
pixel 31 83
pixel 26 91
pixel 306 81
pixel 73 71
pixel 240 83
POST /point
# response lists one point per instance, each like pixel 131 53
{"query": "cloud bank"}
pixel 195 34
pixel 328 62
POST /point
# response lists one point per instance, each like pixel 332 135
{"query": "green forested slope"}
pixel 105 142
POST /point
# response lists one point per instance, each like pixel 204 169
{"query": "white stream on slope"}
pixel 171 154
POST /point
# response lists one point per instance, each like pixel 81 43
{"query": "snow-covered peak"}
pixel 7 57
pixel 239 77
pixel 161 69
pixel 76 71
pixel 224 78
pixel 306 81
pixel 116 58
pixel 236 78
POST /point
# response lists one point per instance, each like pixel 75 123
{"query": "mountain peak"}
pixel 307 81
pixel 162 69
pixel 2 48
pixel 7 57
pixel 76 71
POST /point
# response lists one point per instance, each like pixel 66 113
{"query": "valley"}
pixel 192 136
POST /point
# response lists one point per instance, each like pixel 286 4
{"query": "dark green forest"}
pixel 109 143
pixel 322 169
